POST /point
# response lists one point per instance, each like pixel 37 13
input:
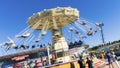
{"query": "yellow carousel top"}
pixel 60 16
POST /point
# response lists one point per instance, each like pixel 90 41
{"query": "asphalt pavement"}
pixel 114 64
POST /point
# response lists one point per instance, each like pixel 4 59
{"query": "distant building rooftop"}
pixel 23 53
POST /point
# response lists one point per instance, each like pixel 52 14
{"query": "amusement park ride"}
pixel 62 22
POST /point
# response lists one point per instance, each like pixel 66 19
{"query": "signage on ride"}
pixel 61 44
pixel 20 58
pixel 73 50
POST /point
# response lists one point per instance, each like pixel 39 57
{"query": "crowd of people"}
pixel 111 57
pixel 83 61
pixel 86 61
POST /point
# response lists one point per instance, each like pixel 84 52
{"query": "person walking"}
pixel 110 61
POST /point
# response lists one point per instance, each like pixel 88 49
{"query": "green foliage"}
pixel 106 44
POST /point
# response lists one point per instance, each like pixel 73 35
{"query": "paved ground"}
pixel 114 64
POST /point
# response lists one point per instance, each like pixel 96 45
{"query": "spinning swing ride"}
pixel 63 23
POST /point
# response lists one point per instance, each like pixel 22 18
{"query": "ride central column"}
pixel 60 47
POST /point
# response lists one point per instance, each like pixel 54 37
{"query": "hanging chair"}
pixel 89 33
pixel 84 23
pixel 76 32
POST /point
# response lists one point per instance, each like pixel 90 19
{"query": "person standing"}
pixel 102 56
pixel 89 62
pixel 81 62
pixel 115 59
pixel 72 65
pixel 53 59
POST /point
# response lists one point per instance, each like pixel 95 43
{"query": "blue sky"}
pixel 14 14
